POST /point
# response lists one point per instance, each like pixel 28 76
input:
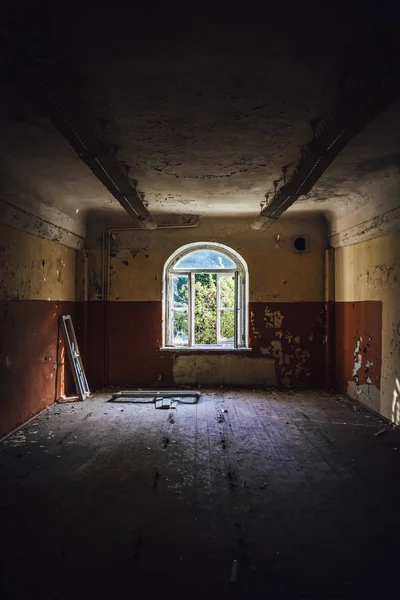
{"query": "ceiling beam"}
pixel 67 117
pixel 101 162
pixel 333 134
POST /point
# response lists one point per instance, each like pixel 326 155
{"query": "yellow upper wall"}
pixel 33 268
pixel 368 270
pixel 276 272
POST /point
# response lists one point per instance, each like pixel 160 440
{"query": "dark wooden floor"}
pixel 102 500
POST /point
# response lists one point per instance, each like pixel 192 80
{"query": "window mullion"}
pixel 237 327
pixel 170 311
pixel 218 310
pixel 191 308
pixel 244 307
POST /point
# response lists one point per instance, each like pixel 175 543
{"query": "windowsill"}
pixel 203 349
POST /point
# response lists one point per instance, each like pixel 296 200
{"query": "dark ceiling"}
pixel 201 107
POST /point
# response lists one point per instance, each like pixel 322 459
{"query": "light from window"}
pixel 205 259
pixel 205 298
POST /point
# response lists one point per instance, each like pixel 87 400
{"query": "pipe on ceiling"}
pixel 332 136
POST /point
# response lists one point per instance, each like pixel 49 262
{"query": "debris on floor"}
pixel 166 403
pixel 65 399
pixel 16 439
pixel 182 485
pixel 165 442
pixel 381 432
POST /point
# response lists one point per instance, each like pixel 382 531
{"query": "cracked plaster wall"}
pixel 368 274
pixel 277 272
pixel 37 285
pixel 281 282
pixel 32 268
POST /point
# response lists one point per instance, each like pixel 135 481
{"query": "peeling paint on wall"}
pixel 367 283
pixel 363 375
pixel 37 284
pixel 357 360
pixel 381 275
pixel 395 416
pixel 358 354
pixel 254 331
pixel 291 360
pixel 273 318
pixel 137 263
pixel 35 269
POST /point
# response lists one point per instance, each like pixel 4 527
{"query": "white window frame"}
pixel 240 272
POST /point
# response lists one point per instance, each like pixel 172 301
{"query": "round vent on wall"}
pixel 300 244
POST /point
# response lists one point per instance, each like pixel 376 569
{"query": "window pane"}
pixel 227 325
pixel 205 259
pixel 180 291
pixel 227 291
pixel 180 328
pixel 205 308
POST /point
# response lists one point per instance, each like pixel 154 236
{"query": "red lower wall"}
pixel 120 343
pixel 133 334
pixel 357 330
pixel 28 351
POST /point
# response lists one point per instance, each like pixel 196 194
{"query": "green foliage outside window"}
pixel 205 322
pixel 205 309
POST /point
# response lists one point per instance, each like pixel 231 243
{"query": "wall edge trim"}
pixel 25 221
pixel 378 226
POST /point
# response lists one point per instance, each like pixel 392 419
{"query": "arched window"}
pixel 205 298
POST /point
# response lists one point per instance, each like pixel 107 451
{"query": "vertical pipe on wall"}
pixel 329 334
pixel 106 250
pixel 105 292
pixel 85 306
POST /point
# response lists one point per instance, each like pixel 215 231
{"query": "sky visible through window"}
pixel 205 259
